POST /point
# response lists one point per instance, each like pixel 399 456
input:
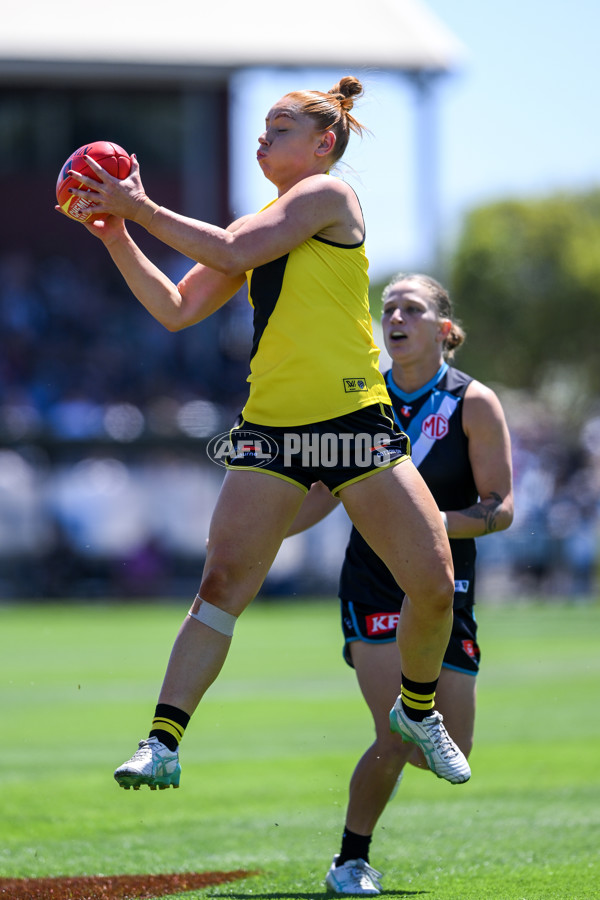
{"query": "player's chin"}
pixel 395 347
pixel 264 167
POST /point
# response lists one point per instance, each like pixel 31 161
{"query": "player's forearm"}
pixel 153 289
pixel 486 517
pixel 205 243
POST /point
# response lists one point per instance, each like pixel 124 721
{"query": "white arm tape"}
pixel 215 618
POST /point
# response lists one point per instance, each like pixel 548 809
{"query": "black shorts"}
pixel 462 653
pixel 336 451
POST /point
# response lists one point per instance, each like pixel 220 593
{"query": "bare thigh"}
pixel 396 514
pixel 253 513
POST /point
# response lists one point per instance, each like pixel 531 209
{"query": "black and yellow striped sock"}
pixel 418 698
pixel 168 725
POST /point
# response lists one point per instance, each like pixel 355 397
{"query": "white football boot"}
pixel 442 755
pixel 355 876
pixel 152 764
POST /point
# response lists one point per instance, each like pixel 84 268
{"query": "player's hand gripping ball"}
pixel 111 157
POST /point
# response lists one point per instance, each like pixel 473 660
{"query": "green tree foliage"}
pixel 525 279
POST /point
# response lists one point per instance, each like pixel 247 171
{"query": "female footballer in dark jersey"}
pixel 461 446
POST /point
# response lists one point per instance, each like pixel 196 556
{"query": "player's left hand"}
pixel 113 196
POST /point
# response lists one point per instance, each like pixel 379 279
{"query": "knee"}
pixel 444 593
pixel 218 586
pixel 392 752
pixel 435 593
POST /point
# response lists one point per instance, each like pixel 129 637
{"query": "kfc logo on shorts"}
pixel 380 623
pixel 435 426
pixel 470 648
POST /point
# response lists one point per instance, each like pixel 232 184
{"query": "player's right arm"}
pixel 199 293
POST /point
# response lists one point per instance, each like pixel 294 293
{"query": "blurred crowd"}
pixel 105 485
pixel 553 547
pixel 82 360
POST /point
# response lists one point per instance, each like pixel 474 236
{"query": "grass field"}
pixel 267 757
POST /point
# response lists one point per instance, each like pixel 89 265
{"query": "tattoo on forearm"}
pixel 487 510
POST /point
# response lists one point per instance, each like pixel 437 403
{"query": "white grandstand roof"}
pixel 197 40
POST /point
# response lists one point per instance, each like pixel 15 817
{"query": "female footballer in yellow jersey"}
pixel 316 396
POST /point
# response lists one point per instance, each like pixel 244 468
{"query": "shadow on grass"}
pixel 315 895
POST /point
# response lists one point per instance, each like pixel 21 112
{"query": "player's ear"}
pixel 326 143
pixel 444 328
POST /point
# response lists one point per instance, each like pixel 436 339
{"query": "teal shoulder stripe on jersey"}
pixel 409 398
pixel 439 403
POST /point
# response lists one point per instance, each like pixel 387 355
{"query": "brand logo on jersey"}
pixel 405 411
pixel 380 623
pixel 250 447
pixel 351 385
pixel 435 426
pixel 461 587
pixel 470 648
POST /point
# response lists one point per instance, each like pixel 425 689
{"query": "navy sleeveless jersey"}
pixel 432 418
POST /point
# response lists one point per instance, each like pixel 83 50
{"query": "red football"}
pixel 110 156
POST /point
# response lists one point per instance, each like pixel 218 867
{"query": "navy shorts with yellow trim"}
pixel 363 624
pixel 336 451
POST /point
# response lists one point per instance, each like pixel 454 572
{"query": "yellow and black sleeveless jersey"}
pixel 313 356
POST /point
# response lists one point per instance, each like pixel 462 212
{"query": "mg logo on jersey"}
pixel 380 623
pixel 435 426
